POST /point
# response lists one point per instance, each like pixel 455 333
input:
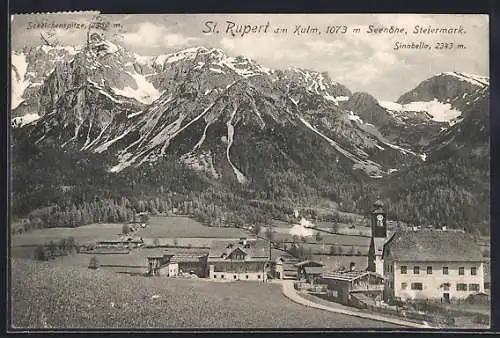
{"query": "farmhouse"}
pixel 194 264
pixel 157 262
pixel 309 270
pixel 239 260
pixel 124 242
pixel 167 264
pixel 347 287
pixel 432 264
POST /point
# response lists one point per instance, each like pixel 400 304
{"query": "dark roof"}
pixel 184 258
pixel 349 275
pixel 433 245
pixel 309 263
pixel 257 250
pixel 313 270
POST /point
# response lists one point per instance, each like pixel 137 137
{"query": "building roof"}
pixel 309 263
pixel 184 258
pixel 257 249
pixel 349 275
pixel 433 245
pixel 313 270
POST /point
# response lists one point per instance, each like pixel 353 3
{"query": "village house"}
pixel 309 270
pixel 432 264
pixel 129 242
pixel 348 287
pixel 245 259
pixel 194 264
pixel 161 263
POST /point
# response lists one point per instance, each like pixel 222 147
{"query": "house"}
pixel 116 243
pixel 195 264
pixel 432 264
pixel 309 270
pixel 244 259
pixel 157 262
pixel 344 286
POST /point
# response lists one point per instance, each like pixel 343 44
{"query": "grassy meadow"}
pixel 49 294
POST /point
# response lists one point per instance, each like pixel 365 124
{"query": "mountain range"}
pixel 244 127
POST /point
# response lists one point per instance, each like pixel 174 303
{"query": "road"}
pixel 290 292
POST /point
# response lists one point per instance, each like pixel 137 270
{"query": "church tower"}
pixel 379 237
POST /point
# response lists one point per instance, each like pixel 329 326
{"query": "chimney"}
pixel 352 266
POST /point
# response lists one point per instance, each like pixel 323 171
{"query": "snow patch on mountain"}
pixel 144 92
pixel 18 81
pixel 481 81
pixel 230 137
pixel 440 112
pixel 21 121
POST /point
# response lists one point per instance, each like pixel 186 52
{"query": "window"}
pixel 404 286
pixel 246 276
pixel 473 271
pixel 461 287
pixel 215 276
pixel 429 270
pixel 474 287
pixel 221 276
pixel 234 276
pixel 461 271
pixel 258 276
pixel 445 270
pixel 404 270
pixel 416 270
pixel 417 286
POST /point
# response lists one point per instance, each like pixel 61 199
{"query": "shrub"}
pixel 41 253
pixel 93 263
pixel 156 242
pixel 125 229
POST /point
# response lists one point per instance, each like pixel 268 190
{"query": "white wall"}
pixel 432 283
pixel 227 275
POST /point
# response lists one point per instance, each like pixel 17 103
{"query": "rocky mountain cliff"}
pixel 232 120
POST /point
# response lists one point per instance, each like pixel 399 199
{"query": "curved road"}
pixel 290 292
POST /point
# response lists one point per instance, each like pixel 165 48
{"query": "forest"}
pixel 57 187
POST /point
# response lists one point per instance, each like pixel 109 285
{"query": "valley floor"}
pixel 48 294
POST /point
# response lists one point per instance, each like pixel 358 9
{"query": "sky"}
pixel 362 61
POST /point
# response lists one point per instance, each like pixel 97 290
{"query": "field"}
pixel 87 298
pixel 83 234
pixel 177 226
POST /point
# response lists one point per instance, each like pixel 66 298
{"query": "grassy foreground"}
pixel 53 295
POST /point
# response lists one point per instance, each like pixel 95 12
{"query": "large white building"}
pixel 432 264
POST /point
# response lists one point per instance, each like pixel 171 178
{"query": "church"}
pixel 379 236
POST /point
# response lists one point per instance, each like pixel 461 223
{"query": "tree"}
pixel 125 229
pixel 333 250
pixel 340 250
pixel 156 242
pixel 93 263
pixel 41 253
pixel 256 229
pixel 70 243
pixel 318 237
pixel 335 227
pixel 62 245
pixel 52 248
